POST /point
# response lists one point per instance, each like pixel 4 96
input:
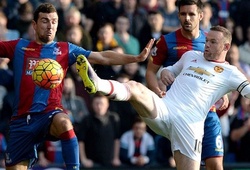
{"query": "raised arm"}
pixel 114 58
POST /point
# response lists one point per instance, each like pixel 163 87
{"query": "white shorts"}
pixel 184 136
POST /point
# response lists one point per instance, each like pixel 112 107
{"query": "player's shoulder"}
pixel 172 34
pixel 193 53
pixel 19 40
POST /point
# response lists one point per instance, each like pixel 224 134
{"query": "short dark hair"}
pixel 44 8
pixel 226 33
pixel 198 3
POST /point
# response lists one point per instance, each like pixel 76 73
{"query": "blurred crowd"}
pixel 110 133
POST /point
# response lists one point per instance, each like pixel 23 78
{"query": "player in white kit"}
pixel 198 81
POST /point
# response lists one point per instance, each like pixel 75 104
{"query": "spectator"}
pixel 137 145
pixel 164 155
pixel 105 38
pixel 116 68
pixel 6 34
pixel 106 41
pixel 75 105
pixel 170 14
pixel 129 43
pixel 240 133
pixel 72 19
pixel 111 10
pixel 244 49
pixel 235 30
pixel 12 10
pixel 63 7
pixel 137 18
pixel 221 11
pixel 25 16
pixel 153 28
pixel 3 5
pixel 99 136
pixel 76 35
pixel 233 57
pixel 243 19
pixel 30 33
pixel 207 15
pixel 100 13
pixel 94 18
pixel 149 5
pixel 134 72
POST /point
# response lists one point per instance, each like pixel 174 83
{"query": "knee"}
pixel 65 124
pixel 60 124
pixel 135 87
pixel 132 84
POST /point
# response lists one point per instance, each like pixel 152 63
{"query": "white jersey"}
pixel 182 112
pixel 201 83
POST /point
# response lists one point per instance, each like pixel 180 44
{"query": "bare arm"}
pixel 225 102
pixel 114 58
pixel 152 80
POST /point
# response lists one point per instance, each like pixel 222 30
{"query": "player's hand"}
pixel 146 51
pixel 159 92
pixel 167 77
pixel 224 103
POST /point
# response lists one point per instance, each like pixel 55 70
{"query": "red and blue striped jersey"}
pixel 24 54
pixel 170 47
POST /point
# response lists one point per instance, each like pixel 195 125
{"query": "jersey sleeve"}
pixel 7 49
pixel 178 66
pixel 74 51
pixel 159 53
pixel 240 83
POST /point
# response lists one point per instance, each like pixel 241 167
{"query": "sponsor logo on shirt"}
pixel 28 49
pixel 200 71
pixel 218 69
pixel 180 48
pixel 31 62
pixel 57 51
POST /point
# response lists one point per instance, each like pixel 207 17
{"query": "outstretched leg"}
pixel 147 104
pixel 139 96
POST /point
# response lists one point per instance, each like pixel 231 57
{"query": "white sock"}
pixel 114 90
